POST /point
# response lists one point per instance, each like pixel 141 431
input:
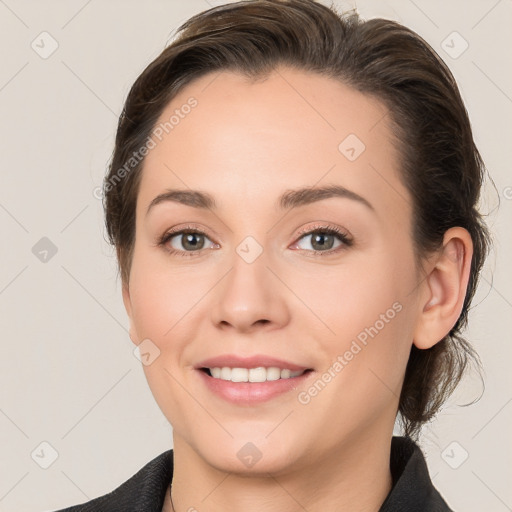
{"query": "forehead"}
pixel 244 140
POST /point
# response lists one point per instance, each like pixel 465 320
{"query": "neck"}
pixel 355 478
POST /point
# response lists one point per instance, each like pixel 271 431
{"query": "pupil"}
pixel 321 238
pixel 189 240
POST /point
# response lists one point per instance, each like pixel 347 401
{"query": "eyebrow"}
pixel 288 200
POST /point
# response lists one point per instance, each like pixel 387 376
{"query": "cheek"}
pixel 369 310
pixel 364 361
pixel 162 296
pixel 363 292
pixel 169 307
pixel 163 312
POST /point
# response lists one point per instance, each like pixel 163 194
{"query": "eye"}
pixel 185 242
pixel 190 241
pixel 323 240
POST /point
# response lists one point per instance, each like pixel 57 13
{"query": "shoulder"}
pixel 145 490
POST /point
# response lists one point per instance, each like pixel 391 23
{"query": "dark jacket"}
pixel 145 491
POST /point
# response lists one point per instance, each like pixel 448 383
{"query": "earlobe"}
pixel 128 306
pixel 444 289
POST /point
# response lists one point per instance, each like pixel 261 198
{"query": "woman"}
pixel 292 198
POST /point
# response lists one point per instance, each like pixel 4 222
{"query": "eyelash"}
pixel 345 239
pixel 324 229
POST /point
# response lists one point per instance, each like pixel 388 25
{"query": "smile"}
pixel 259 374
pixel 247 381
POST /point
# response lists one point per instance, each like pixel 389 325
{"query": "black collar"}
pixel 412 488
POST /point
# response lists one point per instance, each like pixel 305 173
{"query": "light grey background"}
pixel 68 375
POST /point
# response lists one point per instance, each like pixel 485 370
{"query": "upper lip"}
pixel 256 361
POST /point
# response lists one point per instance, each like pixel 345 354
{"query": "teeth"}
pixel 273 373
pixel 259 374
pixel 237 374
pixel 216 372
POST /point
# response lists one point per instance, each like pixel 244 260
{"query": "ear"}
pixel 444 288
pixel 128 306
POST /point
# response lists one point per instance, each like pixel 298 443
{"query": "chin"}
pixel 252 454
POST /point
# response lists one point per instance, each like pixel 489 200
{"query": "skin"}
pixel 246 143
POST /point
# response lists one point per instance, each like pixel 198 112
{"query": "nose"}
pixel 250 297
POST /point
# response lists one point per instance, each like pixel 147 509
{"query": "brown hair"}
pixel 441 166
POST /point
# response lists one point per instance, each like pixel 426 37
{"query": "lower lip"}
pixel 249 393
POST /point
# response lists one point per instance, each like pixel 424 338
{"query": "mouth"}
pixel 248 381
pixel 258 374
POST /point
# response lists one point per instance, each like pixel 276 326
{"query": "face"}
pixel 311 296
